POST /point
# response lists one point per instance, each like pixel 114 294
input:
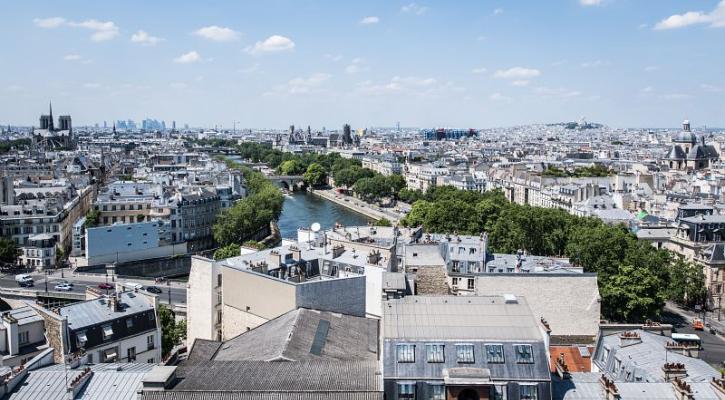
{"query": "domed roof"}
pixel 686 135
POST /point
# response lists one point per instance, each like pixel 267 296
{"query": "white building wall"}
pixel 201 298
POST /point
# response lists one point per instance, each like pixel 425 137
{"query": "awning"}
pixel 107 331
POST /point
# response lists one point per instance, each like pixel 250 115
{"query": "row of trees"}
pixel 7 145
pixel 595 171
pixel 634 278
pixel 248 216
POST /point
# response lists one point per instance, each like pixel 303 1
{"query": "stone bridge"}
pixel 287 182
pixel 16 296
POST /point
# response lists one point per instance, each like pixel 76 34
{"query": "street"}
pixel 80 282
pixel 713 345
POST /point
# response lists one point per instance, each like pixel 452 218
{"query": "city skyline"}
pixel 472 64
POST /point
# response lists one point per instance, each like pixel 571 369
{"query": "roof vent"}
pixel 510 299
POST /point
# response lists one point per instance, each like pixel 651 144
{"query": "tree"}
pixel 632 294
pixel 396 183
pixel 169 332
pixel 383 222
pixel 59 256
pixel 687 283
pixel 8 251
pixel 230 250
pixel 92 218
pixel 315 175
pixel 291 167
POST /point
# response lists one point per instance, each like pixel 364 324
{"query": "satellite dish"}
pixel 315 227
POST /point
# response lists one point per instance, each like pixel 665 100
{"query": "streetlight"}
pixel 46 280
pixel 168 287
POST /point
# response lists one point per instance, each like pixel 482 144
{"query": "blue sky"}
pixel 626 63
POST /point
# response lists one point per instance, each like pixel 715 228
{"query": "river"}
pixel 302 209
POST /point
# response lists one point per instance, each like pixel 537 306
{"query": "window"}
pixel 23 337
pixel 524 354
pixel 471 284
pixel 107 332
pixel 498 392
pixel 437 392
pixel 406 391
pixel 455 282
pixel 150 361
pixel 82 339
pixel 464 353
pixel 528 392
pixel 131 354
pixel 434 353
pixel 406 353
pixel 110 355
pixel 494 353
pixel 150 342
pixel 605 354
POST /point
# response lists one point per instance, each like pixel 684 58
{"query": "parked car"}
pixel 64 282
pixel 63 287
pixel 153 289
pixel 105 286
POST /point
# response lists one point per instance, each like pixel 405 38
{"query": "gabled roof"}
pixel 302 335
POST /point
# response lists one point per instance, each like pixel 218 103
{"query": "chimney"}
pixel 683 391
pixel 718 386
pixel 296 253
pixel 687 349
pixel 673 371
pixel 547 328
pixel 337 250
pixel 561 368
pixel 610 389
pixel 373 257
pixel 629 338
pixel 274 259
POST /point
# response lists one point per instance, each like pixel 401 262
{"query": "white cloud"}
pixel 677 96
pixel 408 84
pixel 333 57
pixel 588 3
pixel 356 66
pixel 369 20
pixel 92 85
pixel 517 73
pixel 187 58
pixel 250 69
pixel 72 57
pixel 272 44
pixel 711 88
pixel 481 38
pixel 499 97
pixel 102 30
pixel 480 70
pixel 715 18
pixel 414 8
pixel 594 63
pixel 651 68
pixel 648 89
pixel 145 39
pixel 498 11
pixel 520 83
pixel 217 33
pixel 558 93
pixel 52 22
pixel 301 85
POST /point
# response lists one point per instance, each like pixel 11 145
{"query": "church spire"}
pixel 50 123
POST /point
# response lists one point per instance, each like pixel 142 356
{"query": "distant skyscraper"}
pixel 105 125
pixel 173 125
pixel 346 134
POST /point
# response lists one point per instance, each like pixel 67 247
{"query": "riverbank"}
pixel 358 206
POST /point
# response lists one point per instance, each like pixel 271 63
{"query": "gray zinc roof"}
pixel 459 317
pixel 92 312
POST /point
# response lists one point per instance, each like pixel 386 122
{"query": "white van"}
pixel 24 280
